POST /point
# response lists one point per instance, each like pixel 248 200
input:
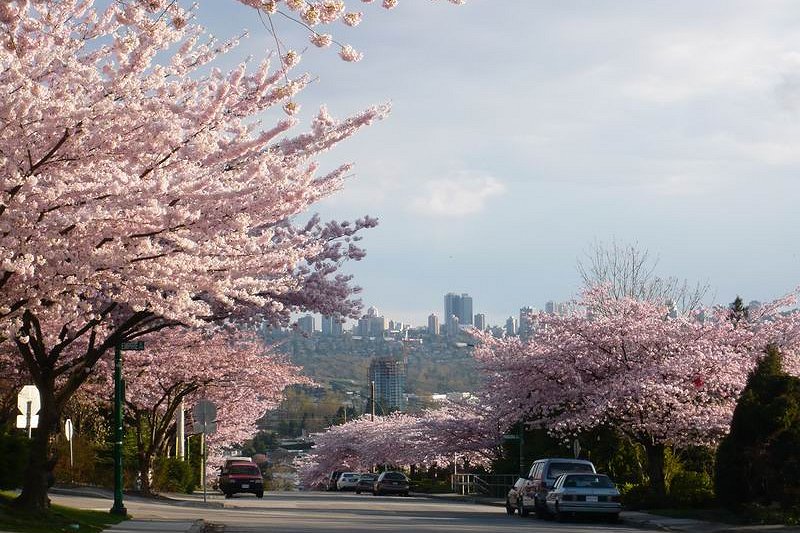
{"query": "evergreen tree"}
pixel 738 311
pixel 759 460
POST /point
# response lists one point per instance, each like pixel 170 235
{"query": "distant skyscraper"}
pixel 459 305
pixel 362 329
pixel 452 326
pixel 377 325
pixel 465 318
pixel 550 307
pixel 511 326
pixel 433 324
pixel 480 322
pixel 525 322
pixel 306 324
pixel 389 375
pixel 331 326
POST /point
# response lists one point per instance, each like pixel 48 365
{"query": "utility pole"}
pixel 119 396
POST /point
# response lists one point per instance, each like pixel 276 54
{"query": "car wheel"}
pixel 612 518
pixel 509 510
pixel 404 494
pixel 559 516
pixel 228 495
pixel 260 494
pixel 358 492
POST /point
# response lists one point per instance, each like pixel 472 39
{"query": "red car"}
pixel 241 477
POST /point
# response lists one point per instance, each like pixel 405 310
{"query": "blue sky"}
pixel 523 131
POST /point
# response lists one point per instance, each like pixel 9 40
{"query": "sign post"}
pixel 28 402
pixel 205 414
pixel 68 433
pixel 118 507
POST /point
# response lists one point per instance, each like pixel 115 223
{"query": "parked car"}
pixel 584 493
pixel 347 481
pixel 514 497
pixel 241 477
pixel 365 483
pixel 391 483
pixel 330 482
pixel 541 478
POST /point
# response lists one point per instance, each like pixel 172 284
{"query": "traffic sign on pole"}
pixel 29 402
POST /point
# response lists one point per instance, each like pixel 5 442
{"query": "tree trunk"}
pixel 145 464
pixel 655 471
pixel 40 462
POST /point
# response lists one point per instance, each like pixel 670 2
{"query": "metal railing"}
pixel 495 485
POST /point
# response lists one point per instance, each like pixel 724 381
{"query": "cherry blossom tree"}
pixel 232 369
pixel 140 194
pixel 633 365
pixel 430 437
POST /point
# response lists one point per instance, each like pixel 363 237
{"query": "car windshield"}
pixel 368 477
pixel 556 469
pixel 244 469
pixel 588 482
pixel 395 476
pixel 349 476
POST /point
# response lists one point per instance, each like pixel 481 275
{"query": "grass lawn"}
pixel 57 519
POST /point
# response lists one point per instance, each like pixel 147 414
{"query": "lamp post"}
pixel 119 395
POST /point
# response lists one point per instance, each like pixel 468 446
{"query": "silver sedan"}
pixel 584 493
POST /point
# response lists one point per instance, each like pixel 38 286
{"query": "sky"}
pixel 523 132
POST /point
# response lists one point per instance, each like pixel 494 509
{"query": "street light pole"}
pixel 119 394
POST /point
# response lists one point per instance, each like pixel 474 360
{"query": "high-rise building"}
pixel 433 324
pixel 452 326
pixel 550 307
pixel 305 324
pixel 511 326
pixel 331 326
pixel 389 375
pixel 466 310
pixel 377 325
pixel 480 322
pixel 458 305
pixel 525 321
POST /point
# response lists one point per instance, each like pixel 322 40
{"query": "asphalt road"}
pixel 294 512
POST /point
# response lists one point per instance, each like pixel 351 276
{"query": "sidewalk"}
pixel 158 526
pixel 640 519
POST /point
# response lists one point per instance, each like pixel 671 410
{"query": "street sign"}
pixel 137 346
pixel 68 433
pixel 28 402
pixel 205 414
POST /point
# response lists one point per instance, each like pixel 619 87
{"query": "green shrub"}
pixel 691 489
pixel 759 460
pixel 13 458
pixel 172 475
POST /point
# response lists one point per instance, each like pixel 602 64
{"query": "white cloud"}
pixel 462 194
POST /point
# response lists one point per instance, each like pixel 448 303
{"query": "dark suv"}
pixel 241 477
pixel 391 483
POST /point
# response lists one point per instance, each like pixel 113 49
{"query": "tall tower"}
pixel 389 375
pixel 433 324
pixel 480 322
pixel 525 323
pixel 466 310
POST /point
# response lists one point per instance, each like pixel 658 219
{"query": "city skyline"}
pixel 641 122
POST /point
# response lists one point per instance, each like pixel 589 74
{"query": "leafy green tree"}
pixel 759 460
